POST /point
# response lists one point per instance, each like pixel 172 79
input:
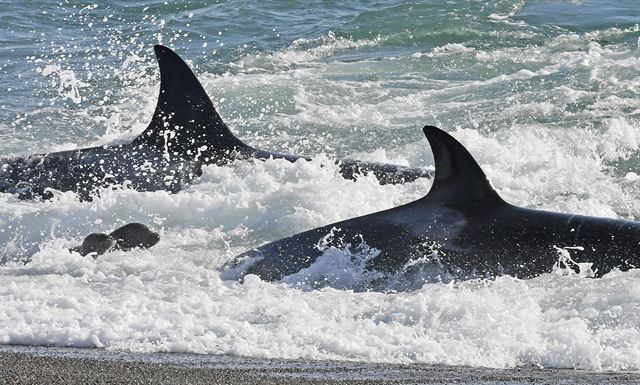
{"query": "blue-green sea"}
pixel 544 94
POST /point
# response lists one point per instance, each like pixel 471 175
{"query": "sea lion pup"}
pixel 134 235
pixel 125 238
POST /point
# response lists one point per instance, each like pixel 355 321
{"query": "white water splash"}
pixel 65 79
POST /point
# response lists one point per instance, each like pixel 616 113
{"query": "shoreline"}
pixel 35 365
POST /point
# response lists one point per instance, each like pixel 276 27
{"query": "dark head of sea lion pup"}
pixel 125 238
pixel 96 244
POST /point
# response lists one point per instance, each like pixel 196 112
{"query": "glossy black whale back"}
pixel 458 181
pixel 185 133
pixel 466 225
pixel 185 122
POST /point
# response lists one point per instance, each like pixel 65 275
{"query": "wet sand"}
pixel 38 365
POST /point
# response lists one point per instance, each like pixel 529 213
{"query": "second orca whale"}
pixel 185 132
pixel 466 225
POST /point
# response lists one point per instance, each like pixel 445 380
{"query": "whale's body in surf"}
pixel 185 132
pixel 463 223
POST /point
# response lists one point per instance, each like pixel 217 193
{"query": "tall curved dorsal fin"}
pixel 459 180
pixel 185 123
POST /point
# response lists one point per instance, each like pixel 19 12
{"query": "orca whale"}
pixel 127 237
pixel 185 132
pixel 463 225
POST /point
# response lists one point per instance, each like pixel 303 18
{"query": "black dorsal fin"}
pixel 459 181
pixel 185 124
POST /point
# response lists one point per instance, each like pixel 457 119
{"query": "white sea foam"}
pixel 68 84
pixel 172 298
pixel 548 122
pixel 304 51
